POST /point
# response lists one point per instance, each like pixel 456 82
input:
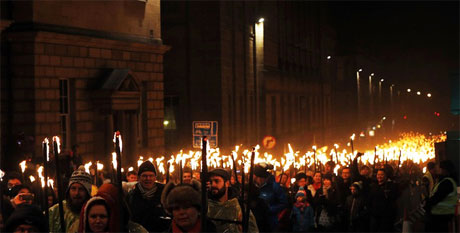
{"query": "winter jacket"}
pixel 357 214
pixel 231 211
pixel 210 227
pixel 302 219
pixel 149 213
pixel 275 197
pixel 71 219
pixel 382 199
pixel 328 204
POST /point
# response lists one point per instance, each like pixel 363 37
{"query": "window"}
pixel 64 112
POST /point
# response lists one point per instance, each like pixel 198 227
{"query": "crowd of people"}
pixel 358 199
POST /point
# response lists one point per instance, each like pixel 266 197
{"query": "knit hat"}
pixel 82 177
pixel 358 185
pixel 301 193
pixel 261 170
pixel 26 214
pixel 181 195
pixel 220 172
pixel 146 166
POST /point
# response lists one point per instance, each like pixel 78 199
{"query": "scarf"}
pixel 195 229
pixel 300 205
pixel 147 194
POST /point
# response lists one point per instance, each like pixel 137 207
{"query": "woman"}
pixel 317 177
pixel 95 216
pixel 109 194
pixel 183 203
pixel 326 201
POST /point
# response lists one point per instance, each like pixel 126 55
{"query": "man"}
pixel 443 198
pixel 77 193
pixel 329 170
pixel 301 181
pixel 382 203
pixel 271 192
pixel 223 206
pixel 196 175
pixel 356 210
pixel 365 171
pixel 187 175
pixel 428 177
pixel 131 176
pixel 26 218
pixel 145 200
pixel 13 179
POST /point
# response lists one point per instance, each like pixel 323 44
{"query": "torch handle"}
pixel 119 178
pixel 251 184
pixel 45 171
pixel 204 179
pixel 59 185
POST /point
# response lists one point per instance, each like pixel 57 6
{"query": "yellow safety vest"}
pixel 447 205
pixel 430 180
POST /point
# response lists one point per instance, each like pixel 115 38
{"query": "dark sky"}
pixel 416 43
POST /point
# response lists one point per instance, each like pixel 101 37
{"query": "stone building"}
pixel 81 70
pixel 256 67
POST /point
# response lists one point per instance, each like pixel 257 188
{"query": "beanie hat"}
pixel 261 170
pixel 220 172
pixel 146 166
pixel 301 193
pixel 358 185
pixel 300 175
pixel 26 214
pixel 82 177
pixel 182 195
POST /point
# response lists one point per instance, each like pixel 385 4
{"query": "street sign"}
pixel 269 142
pixel 205 128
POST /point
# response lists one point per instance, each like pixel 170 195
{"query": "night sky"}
pixel 416 43
pixel 417 38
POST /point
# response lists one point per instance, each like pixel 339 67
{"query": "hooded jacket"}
pixel 229 210
pixel 275 197
pixel 71 219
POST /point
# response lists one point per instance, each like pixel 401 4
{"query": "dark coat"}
pixel 272 193
pixel 357 214
pixel 149 213
pixel 382 206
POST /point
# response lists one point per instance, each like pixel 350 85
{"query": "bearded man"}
pixel 223 206
pixel 77 193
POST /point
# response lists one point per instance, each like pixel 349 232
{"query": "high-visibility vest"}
pixel 447 205
pixel 430 180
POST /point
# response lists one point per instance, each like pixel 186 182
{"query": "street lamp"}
pixel 360 70
pixel 428 95
pixel 328 57
pixel 419 93
pixel 409 90
pixel 372 74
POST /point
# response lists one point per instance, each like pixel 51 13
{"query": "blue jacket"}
pixel 273 194
pixel 302 221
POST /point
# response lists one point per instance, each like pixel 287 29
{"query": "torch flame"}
pixel 58 142
pixel 23 166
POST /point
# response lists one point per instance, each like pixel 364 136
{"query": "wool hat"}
pixel 301 193
pixel 26 214
pixel 146 166
pixel 82 177
pixel 358 185
pixel 220 172
pixel 261 170
pixel 182 195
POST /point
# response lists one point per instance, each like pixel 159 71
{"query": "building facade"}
pixel 81 70
pixel 256 67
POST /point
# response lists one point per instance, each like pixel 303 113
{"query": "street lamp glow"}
pixel 428 95
pixel 384 118
pixel 360 70
pixel 372 74
pixel 419 93
pixel 381 80
pixel 166 123
pixel 328 57
pixel 261 20
pixel 409 90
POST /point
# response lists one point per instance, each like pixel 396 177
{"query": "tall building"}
pixel 256 67
pixel 81 70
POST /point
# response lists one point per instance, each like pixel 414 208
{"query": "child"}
pixel 302 213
